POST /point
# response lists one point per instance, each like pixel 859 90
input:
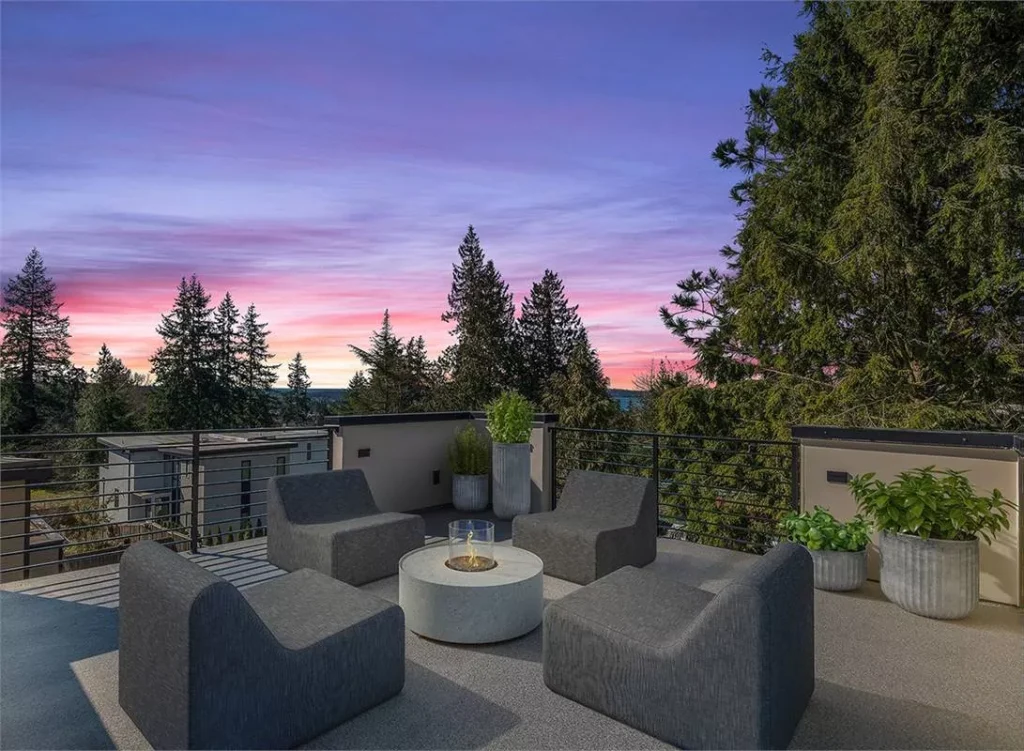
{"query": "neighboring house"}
pixel 150 477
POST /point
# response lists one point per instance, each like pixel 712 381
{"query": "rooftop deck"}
pixel 885 679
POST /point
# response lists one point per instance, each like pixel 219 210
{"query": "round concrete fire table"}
pixel 471 607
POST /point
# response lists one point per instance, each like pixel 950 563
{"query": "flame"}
pixel 470 548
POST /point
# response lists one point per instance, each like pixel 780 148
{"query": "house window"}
pixel 309 452
pixel 246 495
pixel 282 465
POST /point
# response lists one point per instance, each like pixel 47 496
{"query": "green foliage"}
pixel 296 404
pixel 580 395
pixel 399 376
pixel 819 530
pixel 256 377
pixel 549 331
pixel 931 504
pixel 878 277
pixel 469 453
pixel 187 394
pixel 38 384
pixel 509 418
pixel 485 358
pixel 110 402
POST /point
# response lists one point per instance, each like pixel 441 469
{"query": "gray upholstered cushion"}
pixel 328 521
pixel 203 666
pixel 602 523
pixel 731 671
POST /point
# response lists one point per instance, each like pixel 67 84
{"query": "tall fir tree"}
pixel 878 276
pixel 110 402
pixel 227 353
pixel 385 371
pixel 186 392
pixel 352 402
pixel 549 330
pixel 484 360
pixel 420 378
pixel 580 395
pixel 296 405
pixel 39 383
pixel 256 375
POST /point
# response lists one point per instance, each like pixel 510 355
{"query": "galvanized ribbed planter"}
pixel 510 470
pixel 469 492
pixel 839 570
pixel 933 578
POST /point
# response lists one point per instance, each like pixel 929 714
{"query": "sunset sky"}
pixel 323 160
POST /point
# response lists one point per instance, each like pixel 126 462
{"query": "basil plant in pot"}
pixel 839 549
pixel 509 420
pixel 470 458
pixel 929 523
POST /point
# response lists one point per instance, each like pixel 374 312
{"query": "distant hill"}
pixel 329 395
pixel 627 398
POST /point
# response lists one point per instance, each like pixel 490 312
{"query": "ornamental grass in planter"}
pixel 929 523
pixel 509 420
pixel 470 458
pixel 839 549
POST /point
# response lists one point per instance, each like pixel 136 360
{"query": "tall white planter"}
pixel 510 472
pixel 933 578
pixel 469 492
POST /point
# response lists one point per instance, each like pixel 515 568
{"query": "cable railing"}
pixel 74 501
pixel 720 491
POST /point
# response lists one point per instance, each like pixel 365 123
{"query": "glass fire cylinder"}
pixel 471 545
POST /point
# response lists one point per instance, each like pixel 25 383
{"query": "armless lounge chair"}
pixel 732 670
pixel 203 665
pixel 602 522
pixel 328 521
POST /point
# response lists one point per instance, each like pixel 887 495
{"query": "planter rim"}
pixel 852 552
pixel 930 539
pixel 521 443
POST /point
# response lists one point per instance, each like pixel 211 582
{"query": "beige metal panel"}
pixel 1001 562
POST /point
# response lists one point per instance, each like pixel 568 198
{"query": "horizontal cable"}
pixel 75 558
pixel 725 439
pixel 320 429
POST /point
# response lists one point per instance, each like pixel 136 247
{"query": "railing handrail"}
pixel 204 431
pixel 688 436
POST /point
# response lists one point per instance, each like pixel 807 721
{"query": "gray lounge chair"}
pixel 327 521
pixel 602 522
pixel 203 665
pixel 733 670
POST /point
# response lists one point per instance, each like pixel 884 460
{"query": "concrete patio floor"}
pixel 885 679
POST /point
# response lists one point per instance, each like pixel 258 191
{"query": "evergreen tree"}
pixel 109 403
pixel 296 404
pixel 580 396
pixel 227 353
pixel 386 370
pixel 878 277
pixel 421 376
pixel 186 392
pixel 484 360
pixel 256 375
pixel 549 330
pixel 352 402
pixel 39 383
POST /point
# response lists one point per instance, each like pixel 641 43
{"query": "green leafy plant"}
pixel 819 530
pixel 469 453
pixel 509 418
pixel 931 504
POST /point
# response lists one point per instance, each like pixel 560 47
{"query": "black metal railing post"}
pixel 794 476
pixel 656 467
pixel 552 436
pixel 194 526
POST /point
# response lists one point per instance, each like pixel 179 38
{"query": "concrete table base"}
pixel 471 608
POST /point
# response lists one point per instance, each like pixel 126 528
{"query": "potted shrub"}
pixel 929 523
pixel 509 419
pixel 839 550
pixel 470 460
